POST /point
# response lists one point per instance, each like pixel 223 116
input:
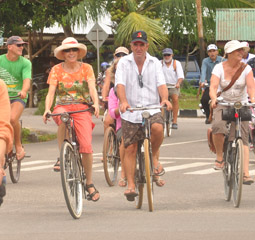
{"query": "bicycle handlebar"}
pixel 11 97
pixel 48 115
pixel 144 108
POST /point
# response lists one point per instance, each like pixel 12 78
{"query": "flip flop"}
pixel 131 195
pixel 157 172
pixel 123 182
pixel 159 181
pixel 220 165
pixel 56 166
pixel 247 180
pixel 20 156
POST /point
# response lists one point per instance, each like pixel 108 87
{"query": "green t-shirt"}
pixel 14 72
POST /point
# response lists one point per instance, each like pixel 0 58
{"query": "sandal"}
pixel 247 180
pixel 159 181
pixel 56 166
pixel 91 195
pixel 218 165
pixel 157 172
pixel 130 194
pixel 20 156
pixel 123 182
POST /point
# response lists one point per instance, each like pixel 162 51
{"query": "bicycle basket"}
pixel 228 114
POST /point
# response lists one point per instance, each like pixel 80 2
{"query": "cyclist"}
pixel 101 76
pixel 221 77
pixel 74 83
pixel 6 134
pixel 174 76
pixel 206 73
pixel 16 70
pixel 247 56
pixel 108 84
pixel 140 80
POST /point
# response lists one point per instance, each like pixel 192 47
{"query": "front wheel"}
pixel 111 158
pixel 237 179
pixel 71 180
pixel 14 167
pixel 148 173
pixel 227 174
pixel 139 177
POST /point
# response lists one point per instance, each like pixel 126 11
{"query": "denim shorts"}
pixel 18 100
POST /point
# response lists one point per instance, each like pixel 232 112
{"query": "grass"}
pixel 40 136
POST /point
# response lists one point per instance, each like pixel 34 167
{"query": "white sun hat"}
pixel 68 43
pixel 234 45
pixel 212 47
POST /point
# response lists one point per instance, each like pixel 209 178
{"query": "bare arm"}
pixel 163 93
pixel 49 101
pixel 106 86
pixel 179 82
pixel 250 86
pixel 94 96
pixel 214 83
pixel 25 88
pixel 121 92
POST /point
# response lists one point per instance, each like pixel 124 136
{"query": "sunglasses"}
pixel 140 80
pixel 120 54
pixel 167 55
pixel 20 45
pixel 71 49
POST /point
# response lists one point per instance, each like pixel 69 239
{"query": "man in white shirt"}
pixel 174 76
pixel 140 81
pixel 247 56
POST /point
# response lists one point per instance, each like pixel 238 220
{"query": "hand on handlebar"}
pixel 168 105
pixel 22 94
pixel 213 103
pixel 45 116
pixel 124 106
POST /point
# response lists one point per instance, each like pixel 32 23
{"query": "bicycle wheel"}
pixel 148 173
pixel 71 180
pixel 139 177
pixel 111 158
pixel 169 123
pixel 238 172
pixel 227 174
pixel 14 167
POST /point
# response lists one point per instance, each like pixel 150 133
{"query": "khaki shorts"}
pixel 219 126
pixel 133 132
pixel 173 91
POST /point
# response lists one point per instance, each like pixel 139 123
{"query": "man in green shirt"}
pixel 16 70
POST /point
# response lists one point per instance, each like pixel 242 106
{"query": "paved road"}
pixel 190 206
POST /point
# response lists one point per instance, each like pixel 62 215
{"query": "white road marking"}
pixel 179 143
pixel 36 162
pixel 185 166
pixel 204 172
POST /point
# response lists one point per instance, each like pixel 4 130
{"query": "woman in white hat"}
pixel 221 77
pixel 74 84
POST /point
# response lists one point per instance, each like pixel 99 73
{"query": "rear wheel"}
pixel 237 179
pixel 71 180
pixel 111 158
pixel 227 169
pixel 148 173
pixel 167 116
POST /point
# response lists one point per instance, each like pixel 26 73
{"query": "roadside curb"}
pixel 190 113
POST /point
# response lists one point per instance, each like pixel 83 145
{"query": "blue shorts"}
pixel 18 100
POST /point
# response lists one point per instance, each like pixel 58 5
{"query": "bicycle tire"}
pixel 169 124
pixel 111 158
pixel 238 173
pixel 14 168
pixel 71 180
pixel 148 173
pixel 227 173
pixel 139 177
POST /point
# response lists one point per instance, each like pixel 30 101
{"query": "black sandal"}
pixel 91 195
pixel 56 167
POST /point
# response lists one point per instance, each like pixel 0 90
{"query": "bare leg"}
pixel 122 155
pixel 175 102
pixel 246 160
pixel 218 140
pixel 2 159
pixel 61 135
pixel 108 120
pixel 87 161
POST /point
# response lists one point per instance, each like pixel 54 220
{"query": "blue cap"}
pixel 167 51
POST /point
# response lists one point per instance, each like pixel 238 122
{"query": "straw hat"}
pixel 67 43
pixel 234 45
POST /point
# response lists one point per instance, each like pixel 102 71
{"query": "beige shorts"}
pixel 173 91
pixel 219 126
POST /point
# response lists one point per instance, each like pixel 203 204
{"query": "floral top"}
pixel 72 88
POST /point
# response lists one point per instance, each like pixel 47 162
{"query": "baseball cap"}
pixel 167 51
pixel 139 36
pixel 15 40
pixel 246 46
pixel 212 47
pixel 121 50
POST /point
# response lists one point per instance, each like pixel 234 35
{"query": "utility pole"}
pixel 200 31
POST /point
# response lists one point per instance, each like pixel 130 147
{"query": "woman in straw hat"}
pixel 221 77
pixel 74 84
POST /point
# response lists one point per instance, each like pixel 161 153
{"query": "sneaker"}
pixel 174 126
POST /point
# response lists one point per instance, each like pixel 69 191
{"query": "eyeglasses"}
pixel 167 55
pixel 20 45
pixel 120 54
pixel 140 80
pixel 71 49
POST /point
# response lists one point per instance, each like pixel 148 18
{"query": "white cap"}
pixel 212 47
pixel 234 45
pixel 246 45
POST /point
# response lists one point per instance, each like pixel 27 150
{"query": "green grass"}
pixel 41 137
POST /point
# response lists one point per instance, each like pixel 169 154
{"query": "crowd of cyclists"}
pixel 132 79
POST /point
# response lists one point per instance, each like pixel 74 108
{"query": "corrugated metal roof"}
pixel 235 24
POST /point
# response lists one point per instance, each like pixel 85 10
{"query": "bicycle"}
pixel 111 155
pixel 11 160
pixel 73 177
pixel 168 118
pixel 144 173
pixel 233 155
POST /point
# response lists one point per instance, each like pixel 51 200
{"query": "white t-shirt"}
pixel 238 91
pixel 250 56
pixel 172 76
